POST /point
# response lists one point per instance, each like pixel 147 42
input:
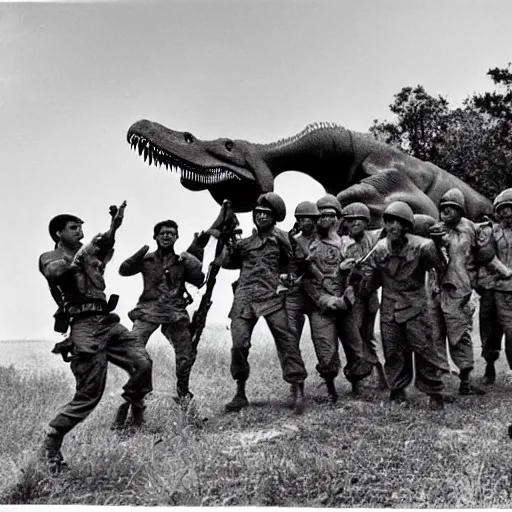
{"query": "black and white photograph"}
pixel 256 253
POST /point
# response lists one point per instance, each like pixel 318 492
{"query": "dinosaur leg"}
pixel 381 189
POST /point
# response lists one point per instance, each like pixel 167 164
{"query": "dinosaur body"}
pixel 352 166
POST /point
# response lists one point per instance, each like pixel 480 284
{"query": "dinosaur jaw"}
pixel 221 182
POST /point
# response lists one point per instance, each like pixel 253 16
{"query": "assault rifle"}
pixel 227 231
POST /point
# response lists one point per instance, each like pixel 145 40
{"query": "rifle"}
pixel 355 276
pixel 227 232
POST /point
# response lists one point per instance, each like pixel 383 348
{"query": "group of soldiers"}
pixel 328 268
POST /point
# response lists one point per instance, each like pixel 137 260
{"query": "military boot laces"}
pixel 239 400
pixel 490 374
pixel 121 416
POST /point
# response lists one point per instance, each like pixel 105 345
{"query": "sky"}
pixel 74 77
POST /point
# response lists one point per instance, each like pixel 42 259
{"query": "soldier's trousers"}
pixel 287 347
pixel 178 335
pixel 298 306
pixel 504 312
pixel 491 330
pixel 453 317
pixel 357 329
pixel 98 340
pixel 400 341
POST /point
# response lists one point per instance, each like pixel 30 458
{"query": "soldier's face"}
pixel 505 215
pixel 167 237
pixel 263 219
pixel 450 215
pixel 71 234
pixel 326 221
pixel 395 230
pixel 355 227
pixel 307 224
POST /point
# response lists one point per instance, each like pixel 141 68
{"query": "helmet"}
pixel 306 209
pixel 329 201
pixel 401 211
pixel 453 197
pixel 504 198
pixel 58 223
pixel 357 211
pixel 274 203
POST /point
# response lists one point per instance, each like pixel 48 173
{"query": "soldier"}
pixel 495 257
pixel 262 258
pixel 453 311
pixel 359 322
pixel 75 275
pixel 164 298
pixel 324 285
pixel 298 303
pixel 399 263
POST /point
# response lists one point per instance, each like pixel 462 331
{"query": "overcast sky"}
pixel 74 77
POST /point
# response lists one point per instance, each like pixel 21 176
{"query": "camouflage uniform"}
pixel 162 303
pixel 261 260
pixel 405 328
pixel 97 337
pixel 453 311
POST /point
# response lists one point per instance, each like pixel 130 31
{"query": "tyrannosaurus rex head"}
pixel 228 169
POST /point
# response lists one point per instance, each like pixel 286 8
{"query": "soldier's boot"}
pixel 239 400
pixel 383 381
pixel 52 450
pixel 184 395
pixel 397 395
pixel 436 402
pixel 490 374
pixel 331 390
pixel 138 415
pixel 467 387
pixel 357 388
pixel 121 416
pixel 300 403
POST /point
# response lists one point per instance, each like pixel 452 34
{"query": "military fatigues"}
pixel 405 328
pixel 358 325
pixel 97 337
pixel 453 310
pixel 496 298
pixel 262 260
pixel 298 303
pixel 324 285
pixel 162 303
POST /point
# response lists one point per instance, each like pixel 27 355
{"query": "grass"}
pixel 361 452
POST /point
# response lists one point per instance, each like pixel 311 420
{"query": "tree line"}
pixel 473 142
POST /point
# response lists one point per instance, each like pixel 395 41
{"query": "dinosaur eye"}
pixel 229 145
pixel 189 138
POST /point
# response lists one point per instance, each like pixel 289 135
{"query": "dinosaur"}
pixel 352 166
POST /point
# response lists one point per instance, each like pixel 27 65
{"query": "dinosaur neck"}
pixel 324 154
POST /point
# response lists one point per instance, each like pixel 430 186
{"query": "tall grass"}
pixel 362 452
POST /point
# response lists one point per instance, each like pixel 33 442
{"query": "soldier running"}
pixel 75 275
pixel 262 258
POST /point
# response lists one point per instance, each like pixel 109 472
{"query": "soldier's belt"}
pixel 88 307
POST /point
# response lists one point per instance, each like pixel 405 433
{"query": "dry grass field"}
pixel 361 452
